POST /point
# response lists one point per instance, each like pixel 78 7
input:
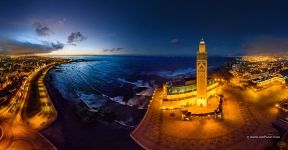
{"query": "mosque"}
pixel 200 96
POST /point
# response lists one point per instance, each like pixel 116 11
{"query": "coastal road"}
pixel 15 132
pixel 11 108
pixel 47 113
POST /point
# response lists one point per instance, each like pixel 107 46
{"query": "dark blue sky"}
pixel 150 27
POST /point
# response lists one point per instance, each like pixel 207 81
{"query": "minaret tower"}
pixel 202 75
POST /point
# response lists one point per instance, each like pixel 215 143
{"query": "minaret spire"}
pixel 202 74
pixel 202 47
pixel 202 40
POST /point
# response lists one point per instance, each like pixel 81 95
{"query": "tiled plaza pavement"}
pixel 152 133
pixel 219 142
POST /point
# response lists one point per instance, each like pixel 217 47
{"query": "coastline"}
pixel 68 132
pixel 53 114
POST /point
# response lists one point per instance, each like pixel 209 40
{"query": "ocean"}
pixel 119 85
pixel 121 79
pixel 106 77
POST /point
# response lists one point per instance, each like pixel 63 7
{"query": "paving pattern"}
pixel 158 130
pixel 219 142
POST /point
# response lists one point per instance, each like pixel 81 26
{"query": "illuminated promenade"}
pixel 47 113
pixel 16 134
pixel 245 113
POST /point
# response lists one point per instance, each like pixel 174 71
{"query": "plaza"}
pixel 244 115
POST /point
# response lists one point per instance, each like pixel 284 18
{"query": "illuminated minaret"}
pixel 202 75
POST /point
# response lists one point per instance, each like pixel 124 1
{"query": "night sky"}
pixel 146 27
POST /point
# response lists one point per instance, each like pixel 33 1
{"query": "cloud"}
pixel 176 40
pixel 113 50
pixel 8 46
pixel 76 37
pixel 265 45
pixel 41 29
pixel 57 45
pixel 60 22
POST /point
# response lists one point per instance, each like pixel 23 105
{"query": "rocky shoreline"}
pixel 70 132
pixel 80 126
